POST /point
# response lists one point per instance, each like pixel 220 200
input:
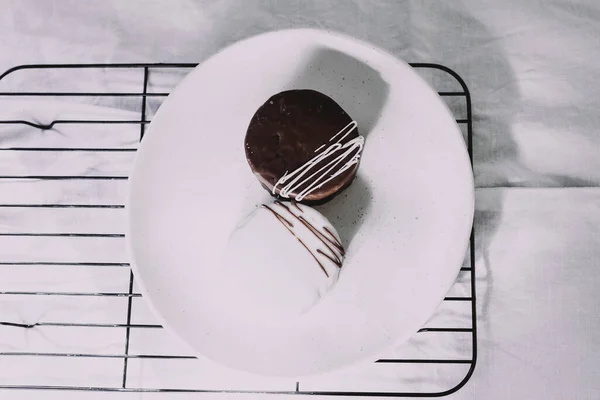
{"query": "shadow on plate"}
pixel 354 85
pixel 347 210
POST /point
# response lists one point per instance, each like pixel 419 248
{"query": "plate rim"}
pixel 470 185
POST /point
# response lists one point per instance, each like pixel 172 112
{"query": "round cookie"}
pixel 303 146
pixel 281 260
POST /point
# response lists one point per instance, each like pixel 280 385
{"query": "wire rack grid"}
pixel 96 321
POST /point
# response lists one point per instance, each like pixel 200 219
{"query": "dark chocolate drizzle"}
pixel 328 240
pixel 294 204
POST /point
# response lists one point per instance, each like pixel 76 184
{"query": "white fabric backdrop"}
pixel 533 69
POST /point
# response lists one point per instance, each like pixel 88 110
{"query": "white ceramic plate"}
pixel 406 218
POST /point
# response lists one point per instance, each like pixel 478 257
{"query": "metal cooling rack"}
pixel 120 363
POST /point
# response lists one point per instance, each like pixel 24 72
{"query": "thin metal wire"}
pixel 62 206
pixel 87 325
pixel 64 178
pixel 49 126
pixel 96 355
pixel 155 326
pixel 129 301
pixel 70 294
pixel 128 326
pixel 87 94
pixel 422 361
pixel 63 263
pixel 94 150
pixel 80 235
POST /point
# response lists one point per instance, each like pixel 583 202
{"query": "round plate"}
pixel 406 219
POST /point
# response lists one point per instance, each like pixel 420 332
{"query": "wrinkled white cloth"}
pixel 533 69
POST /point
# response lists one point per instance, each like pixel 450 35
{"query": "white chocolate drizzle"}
pixel 336 151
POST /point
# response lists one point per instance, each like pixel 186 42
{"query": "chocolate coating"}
pixel 285 133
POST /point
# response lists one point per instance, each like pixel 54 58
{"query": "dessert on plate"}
pixel 303 146
pixel 285 256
